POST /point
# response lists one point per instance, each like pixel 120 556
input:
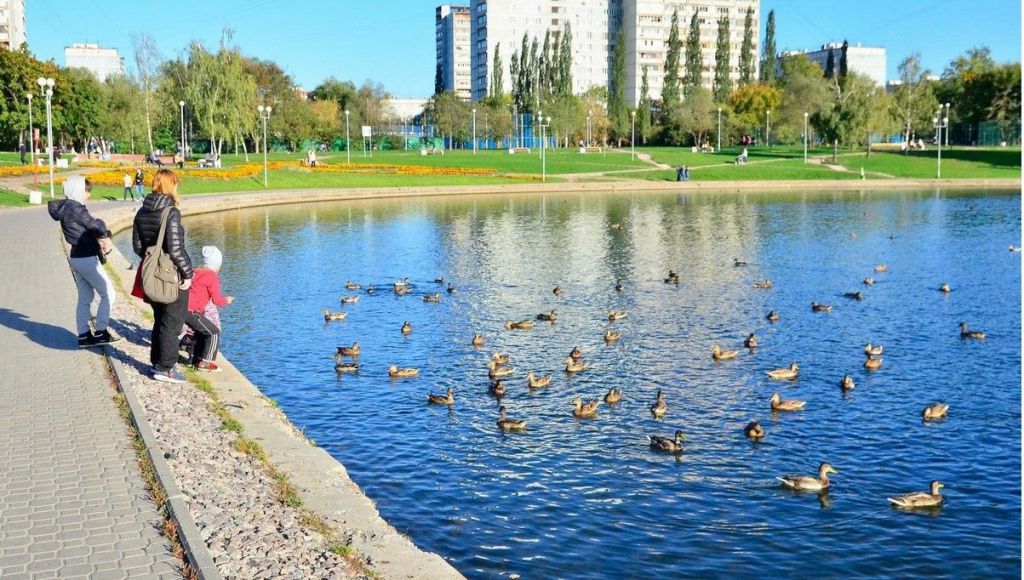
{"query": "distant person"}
pixel 21 151
pixel 129 182
pixel 90 242
pixel 679 173
pixel 311 158
pixel 167 318
pixel 140 178
pixel 686 173
pixel 205 291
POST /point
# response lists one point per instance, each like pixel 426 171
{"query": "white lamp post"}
pixel 940 124
pixel 543 156
pixel 474 130
pixel 805 137
pixel 264 116
pixel 947 125
pixel 181 106
pixel 348 141
pixel 31 140
pixel 719 129
pixel 46 85
pixel 768 127
pixel 632 139
pixel 540 120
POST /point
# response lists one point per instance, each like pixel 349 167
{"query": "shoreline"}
pixel 322 480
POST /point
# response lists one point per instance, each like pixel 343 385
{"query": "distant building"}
pixel 12 24
pixel 646 25
pixel 101 62
pixel 406 110
pixel 504 22
pixel 865 60
pixel 453 31
pixel 300 93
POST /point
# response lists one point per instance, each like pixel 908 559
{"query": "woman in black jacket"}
pixel 90 242
pixel 167 318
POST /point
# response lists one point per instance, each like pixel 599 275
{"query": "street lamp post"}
pixel 805 137
pixel 719 129
pixel 181 106
pixel 46 85
pixel 348 142
pixel 474 130
pixel 264 116
pixel 947 125
pixel 31 141
pixel 540 119
pixel 543 156
pixel 768 127
pixel 632 131
pixel 940 124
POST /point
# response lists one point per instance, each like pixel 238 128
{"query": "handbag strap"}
pixel 163 227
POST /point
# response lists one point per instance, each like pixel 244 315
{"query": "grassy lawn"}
pixel 783 170
pixel 283 179
pixel 956 163
pixel 12 199
pixel 676 156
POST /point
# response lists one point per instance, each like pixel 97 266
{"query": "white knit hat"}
pixel 74 188
pixel 212 258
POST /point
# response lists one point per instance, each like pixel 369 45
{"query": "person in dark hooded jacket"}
pixel 167 318
pixel 90 242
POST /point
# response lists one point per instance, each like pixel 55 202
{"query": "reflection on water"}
pixel 588 498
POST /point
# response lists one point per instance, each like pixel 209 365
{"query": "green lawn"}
pixel 12 199
pixel 956 163
pixel 676 156
pixel 778 171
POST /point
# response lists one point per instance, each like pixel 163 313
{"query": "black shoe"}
pixel 103 337
pixel 86 340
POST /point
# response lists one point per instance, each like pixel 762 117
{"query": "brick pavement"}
pixel 72 501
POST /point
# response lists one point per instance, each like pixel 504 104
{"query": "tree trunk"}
pixel 245 149
pixel 149 124
pixel 835 151
pixel 869 144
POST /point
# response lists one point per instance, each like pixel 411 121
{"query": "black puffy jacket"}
pixel 81 230
pixel 147 228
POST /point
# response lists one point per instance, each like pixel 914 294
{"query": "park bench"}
pixel 431 151
pixel 514 150
pixel 591 149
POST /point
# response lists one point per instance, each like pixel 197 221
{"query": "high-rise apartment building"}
pixel 12 24
pixel 502 23
pixel 101 62
pixel 866 60
pixel 646 27
pixel 453 48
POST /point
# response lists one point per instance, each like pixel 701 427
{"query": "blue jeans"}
pixel 91 280
pixel 138 191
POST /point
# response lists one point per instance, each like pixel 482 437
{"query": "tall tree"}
pixel 497 74
pixel 554 67
pixel 643 115
pixel 565 61
pixel 768 69
pixel 618 111
pixel 147 62
pixel 913 101
pixel 723 82
pixel 513 73
pixel 694 61
pixel 847 111
pixel 438 80
pixel 804 90
pixel 694 118
pixel 842 59
pixel 830 65
pixel 525 73
pixel 544 66
pixel 747 49
pixel 670 85
pixel 534 75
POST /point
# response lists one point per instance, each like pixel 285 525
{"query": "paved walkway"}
pixel 72 502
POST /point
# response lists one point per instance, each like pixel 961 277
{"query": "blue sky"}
pixel 392 41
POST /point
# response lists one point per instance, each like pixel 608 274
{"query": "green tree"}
pixel 147 65
pixel 879 119
pixel 79 108
pixel 643 116
pixel 438 80
pixel 694 61
pixel 913 100
pixel 695 118
pixel 544 66
pixel 565 61
pixel 450 114
pixel 513 71
pixel 770 51
pixel 750 104
pixel 494 118
pixel 723 83
pixel 670 95
pixel 121 113
pixel 618 111
pixel 847 112
pixel 747 49
pixel 18 73
pixel 843 70
pixel 533 76
pixel 804 90
pixel 497 74
pixel 1005 106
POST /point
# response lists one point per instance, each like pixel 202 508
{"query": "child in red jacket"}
pixel 205 289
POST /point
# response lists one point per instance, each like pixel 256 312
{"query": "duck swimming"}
pixel 507 424
pixel 452 289
pixel 964 333
pixel 478 339
pixel 935 411
pixel 353 350
pixel 370 289
pixel 448 399
pixel 773 316
pixel 659 408
pixel 670 445
pixel 537 383
pixel 854 295
pixel 944 288
pixel 332 316
pixel 738 262
pixel 346 367
pixel 350 285
pixel 881 268
pixel 406 328
pixel 402 290
pixel 349 299
pixel 613 396
pixel 847 383
pixel 496 372
pixel 869 281
pixel 751 341
pixel 557 291
pixel 779 404
pixel 395 372
pixel 873 350
pixel 618 286
pixel 499 359
pixel 576 354
pixel 586 410
pixel 754 430
pixel 548 317
pixel 521 325
pixel 815 307
pixel 764 284
pixel 614 315
pixel 718 354
pixel 497 388
pixel 785 374
pixel 919 499
pixel 611 336
pixel 435 297
pixel 571 366
pixel 809 482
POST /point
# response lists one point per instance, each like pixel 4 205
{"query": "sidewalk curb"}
pixel 189 535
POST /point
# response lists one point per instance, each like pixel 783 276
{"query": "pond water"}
pixel 589 498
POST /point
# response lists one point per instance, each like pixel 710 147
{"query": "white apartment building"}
pixel 865 60
pixel 101 62
pixel 503 22
pixel 646 27
pixel 12 24
pixel 453 48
